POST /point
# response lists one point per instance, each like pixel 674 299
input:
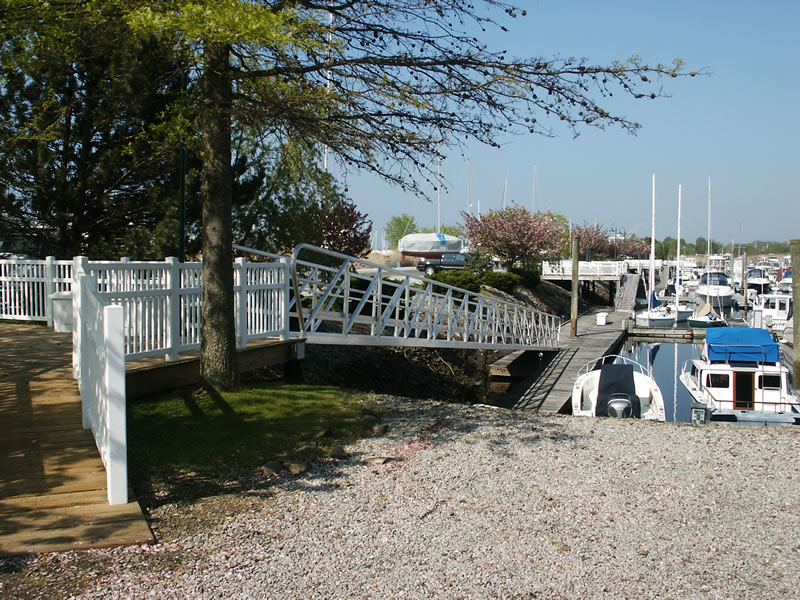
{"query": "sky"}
pixel 736 125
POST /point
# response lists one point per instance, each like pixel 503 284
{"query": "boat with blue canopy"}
pixel 739 379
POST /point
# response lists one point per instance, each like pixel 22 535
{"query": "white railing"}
pixel 26 287
pixel 162 302
pixel 161 299
pixel 590 268
pixel 345 300
pixel 102 383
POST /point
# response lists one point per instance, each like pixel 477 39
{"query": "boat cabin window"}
pixel 718 380
pixel 769 382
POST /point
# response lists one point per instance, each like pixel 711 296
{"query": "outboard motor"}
pixel 620 406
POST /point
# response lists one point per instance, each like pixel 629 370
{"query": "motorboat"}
pixel 759 280
pixel 715 289
pixel 784 283
pixel 617 386
pixel 772 311
pixel 739 379
pixel 705 316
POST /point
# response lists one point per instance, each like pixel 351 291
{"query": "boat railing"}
pixel 613 358
pixel 728 349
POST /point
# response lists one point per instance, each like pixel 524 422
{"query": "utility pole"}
pixel 576 248
pixel 795 246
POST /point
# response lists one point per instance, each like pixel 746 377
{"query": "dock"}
pixel 548 387
pixel 52 480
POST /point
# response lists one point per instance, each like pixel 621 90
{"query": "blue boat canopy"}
pixel 741 344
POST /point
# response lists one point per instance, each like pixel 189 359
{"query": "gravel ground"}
pixel 476 503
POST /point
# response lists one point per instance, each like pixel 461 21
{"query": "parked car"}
pixel 449 260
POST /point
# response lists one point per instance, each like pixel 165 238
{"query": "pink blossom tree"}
pixel 594 239
pixel 515 234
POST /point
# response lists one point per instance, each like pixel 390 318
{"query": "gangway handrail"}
pixel 405 309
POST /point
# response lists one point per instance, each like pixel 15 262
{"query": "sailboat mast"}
pixel 651 291
pixel 678 267
pixel 533 191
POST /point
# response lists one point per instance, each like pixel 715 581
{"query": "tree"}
pixel 593 240
pixel 82 172
pixel 454 230
pixel 399 226
pixel 282 197
pixel 384 86
pixel 516 235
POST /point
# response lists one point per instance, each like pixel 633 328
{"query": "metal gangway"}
pixel 351 301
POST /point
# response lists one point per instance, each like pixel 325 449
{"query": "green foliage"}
pixel 235 431
pixel 529 274
pixel 478 261
pixel 505 282
pixel 399 226
pixel 459 278
pixel 454 230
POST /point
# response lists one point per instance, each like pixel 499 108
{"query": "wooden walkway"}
pixel 52 481
pixel 549 388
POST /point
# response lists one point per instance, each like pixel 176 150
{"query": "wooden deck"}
pixel 549 387
pixel 52 481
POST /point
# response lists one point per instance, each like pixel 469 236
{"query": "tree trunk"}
pixel 218 365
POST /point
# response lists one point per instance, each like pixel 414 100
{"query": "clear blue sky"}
pixel 738 125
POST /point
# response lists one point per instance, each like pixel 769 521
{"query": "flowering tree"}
pixel 343 228
pixel 593 240
pixel 515 234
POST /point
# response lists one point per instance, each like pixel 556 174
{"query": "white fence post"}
pixel 114 384
pixel 79 263
pixel 241 322
pixel 284 301
pixel 88 389
pixel 173 308
pixel 49 288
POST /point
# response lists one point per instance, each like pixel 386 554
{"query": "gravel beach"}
pixel 476 502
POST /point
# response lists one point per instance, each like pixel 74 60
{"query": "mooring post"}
pixel 576 244
pixel 795 246
pixel 484 369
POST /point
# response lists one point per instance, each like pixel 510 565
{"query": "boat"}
pixel 784 282
pixel 772 311
pixel 617 386
pixel 715 289
pixel 657 314
pixel 788 334
pixel 705 316
pixel 429 245
pixel 739 379
pixel 662 315
pixel 758 279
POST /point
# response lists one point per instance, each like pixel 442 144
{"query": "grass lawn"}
pixel 191 431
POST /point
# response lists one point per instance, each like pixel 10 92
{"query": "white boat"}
pixel 771 311
pixel 431 245
pixel 617 386
pixel 788 333
pixel 715 289
pixel 657 314
pixel 739 379
pixel 663 315
pixel 784 284
pixel 758 279
pixel 705 316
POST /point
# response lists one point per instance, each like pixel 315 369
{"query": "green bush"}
pixel 505 282
pixel 530 275
pixel 462 279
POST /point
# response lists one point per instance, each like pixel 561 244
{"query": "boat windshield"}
pixel 714 279
pixel 757 274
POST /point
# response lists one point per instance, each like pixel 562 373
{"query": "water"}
pixel 667 361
